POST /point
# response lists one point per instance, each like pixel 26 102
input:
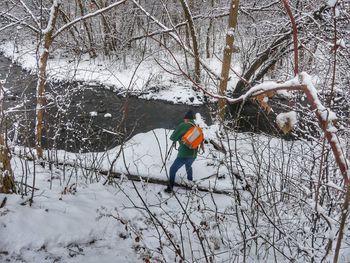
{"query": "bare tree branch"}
pixel 90 15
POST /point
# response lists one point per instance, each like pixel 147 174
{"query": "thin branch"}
pixel 10 25
pixel 295 37
pixel 90 15
pixel 30 13
pixel 20 21
pixel 176 38
pixel 151 34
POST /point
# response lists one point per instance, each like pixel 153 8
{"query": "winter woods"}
pixel 274 75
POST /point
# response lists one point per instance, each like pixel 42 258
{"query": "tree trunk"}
pixel 109 42
pixel 279 43
pixel 40 89
pixel 228 50
pixel 344 216
pixel 88 31
pixel 194 37
pixel 66 20
pixel 210 26
pixel 7 180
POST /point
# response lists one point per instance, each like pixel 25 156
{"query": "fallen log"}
pixel 152 180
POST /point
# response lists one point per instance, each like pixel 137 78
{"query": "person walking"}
pixel 186 155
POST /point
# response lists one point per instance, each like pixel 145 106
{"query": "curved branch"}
pixel 295 37
pixel 311 95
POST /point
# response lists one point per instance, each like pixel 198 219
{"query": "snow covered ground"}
pixel 88 222
pixel 77 216
pixel 80 216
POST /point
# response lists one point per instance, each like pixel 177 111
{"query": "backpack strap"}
pixel 193 124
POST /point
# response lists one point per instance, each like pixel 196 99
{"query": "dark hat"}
pixel 189 115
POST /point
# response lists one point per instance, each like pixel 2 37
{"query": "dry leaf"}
pixel 287 127
pixel 263 100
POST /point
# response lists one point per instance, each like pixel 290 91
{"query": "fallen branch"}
pixel 152 180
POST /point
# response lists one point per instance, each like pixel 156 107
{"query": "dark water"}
pixel 68 122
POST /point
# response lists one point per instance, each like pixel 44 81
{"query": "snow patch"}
pixel 287 117
pixel 332 3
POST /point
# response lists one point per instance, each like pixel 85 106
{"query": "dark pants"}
pixel 178 163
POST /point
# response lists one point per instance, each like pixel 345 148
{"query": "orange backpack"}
pixel 193 137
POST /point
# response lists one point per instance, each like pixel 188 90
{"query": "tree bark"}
pixel 40 90
pixel 295 37
pixel 228 50
pixel 7 180
pixel 344 216
pixel 66 20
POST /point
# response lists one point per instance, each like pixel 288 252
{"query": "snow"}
pixel 55 223
pixel 50 24
pixel 341 43
pixel 93 113
pixel 307 80
pixel 332 3
pixel 82 215
pixel 336 12
pixel 148 82
pixel 79 216
pixel 287 117
pixel 231 31
pixel 329 118
pixel 267 86
pixel 328 115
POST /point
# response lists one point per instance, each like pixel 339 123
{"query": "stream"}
pixel 81 117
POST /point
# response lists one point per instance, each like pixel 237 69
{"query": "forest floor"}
pixel 77 214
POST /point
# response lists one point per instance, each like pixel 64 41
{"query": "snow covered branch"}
pixel 9 25
pixel 30 13
pixel 325 117
pixel 14 19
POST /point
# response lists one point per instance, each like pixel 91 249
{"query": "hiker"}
pixel 186 155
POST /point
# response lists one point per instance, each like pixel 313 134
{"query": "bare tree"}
pixel 88 29
pixel 7 180
pixel 40 95
pixel 194 37
pixel 228 50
